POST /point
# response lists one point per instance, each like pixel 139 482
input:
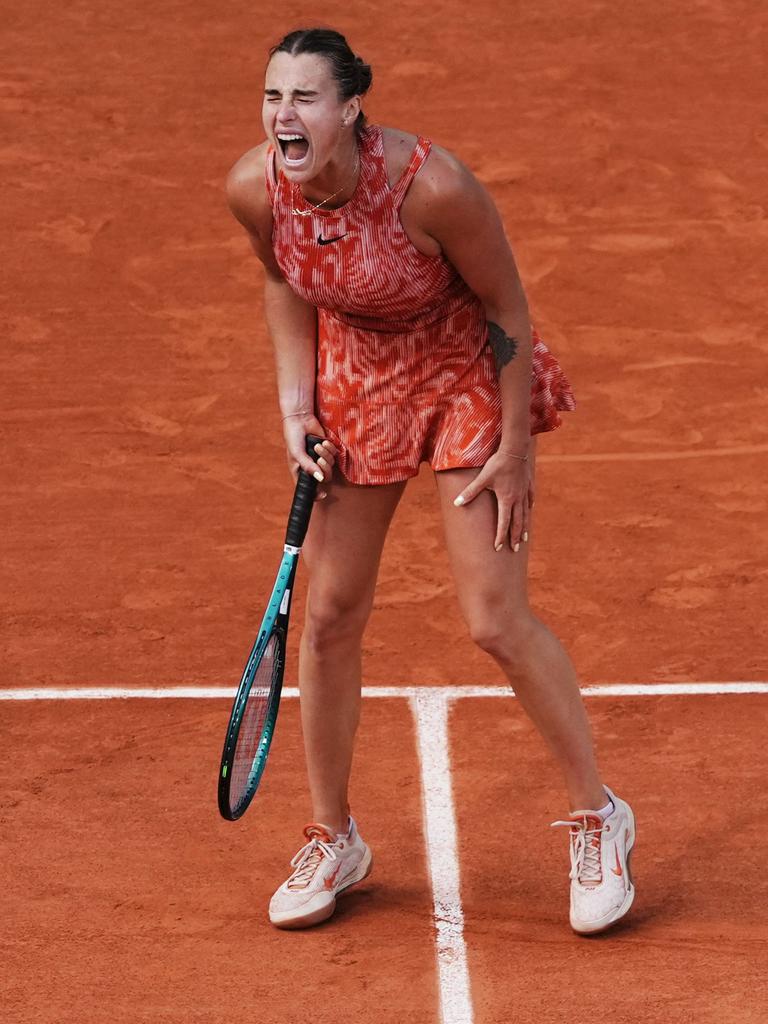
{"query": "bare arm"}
pixel 460 215
pixel 457 212
pixel 291 321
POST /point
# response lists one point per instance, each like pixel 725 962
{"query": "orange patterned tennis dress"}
pixel 405 373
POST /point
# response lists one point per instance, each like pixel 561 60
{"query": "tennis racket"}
pixel 254 712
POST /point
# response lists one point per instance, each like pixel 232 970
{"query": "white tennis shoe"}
pixel 324 868
pixel 601 883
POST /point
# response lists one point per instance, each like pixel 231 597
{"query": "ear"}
pixel 351 110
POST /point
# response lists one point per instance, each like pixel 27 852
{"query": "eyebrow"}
pixel 296 92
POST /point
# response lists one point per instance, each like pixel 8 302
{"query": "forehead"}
pixel 302 71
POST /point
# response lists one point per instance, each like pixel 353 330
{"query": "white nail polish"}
pixel 459 500
pixel 319 476
pixel 525 536
pixel 499 547
pixel 516 547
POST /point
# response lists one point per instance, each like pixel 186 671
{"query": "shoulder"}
pixel 446 198
pixel 445 180
pixel 398 147
pixel 246 190
pixel 442 174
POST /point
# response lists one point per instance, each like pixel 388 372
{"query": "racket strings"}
pixel 248 751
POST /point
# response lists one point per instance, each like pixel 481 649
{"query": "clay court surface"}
pixel 144 496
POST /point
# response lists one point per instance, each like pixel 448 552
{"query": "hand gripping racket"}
pixel 254 713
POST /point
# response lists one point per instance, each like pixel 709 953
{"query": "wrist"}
pixel 512 455
pixel 515 445
pixel 299 414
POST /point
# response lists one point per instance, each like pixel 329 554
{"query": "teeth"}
pixel 285 137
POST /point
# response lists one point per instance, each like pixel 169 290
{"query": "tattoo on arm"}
pixel 503 347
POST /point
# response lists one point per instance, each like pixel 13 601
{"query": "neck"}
pixel 338 178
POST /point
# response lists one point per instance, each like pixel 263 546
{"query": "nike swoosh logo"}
pixel 327 241
pixel 618 869
pixel 331 880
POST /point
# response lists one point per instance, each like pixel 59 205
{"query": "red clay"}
pixel 144 500
pixel 131 900
pixel 693 947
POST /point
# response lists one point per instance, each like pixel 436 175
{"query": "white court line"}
pixel 388 692
pixel 430 709
pixel 686 453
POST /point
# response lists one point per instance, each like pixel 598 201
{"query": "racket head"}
pixel 252 725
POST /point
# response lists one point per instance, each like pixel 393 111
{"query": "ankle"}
pixel 335 823
pixel 588 799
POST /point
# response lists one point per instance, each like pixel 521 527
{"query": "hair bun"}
pixel 364 76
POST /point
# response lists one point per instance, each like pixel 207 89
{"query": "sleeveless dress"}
pixel 404 370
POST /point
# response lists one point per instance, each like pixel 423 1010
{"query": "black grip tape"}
pixel 303 499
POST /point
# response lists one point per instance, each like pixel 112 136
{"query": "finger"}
pixel 326 461
pixel 470 492
pixel 502 525
pixel 516 526
pixel 526 520
pixel 310 468
pixel 330 448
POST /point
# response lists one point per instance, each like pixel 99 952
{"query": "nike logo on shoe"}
pixel 331 879
pixel 327 241
pixel 618 869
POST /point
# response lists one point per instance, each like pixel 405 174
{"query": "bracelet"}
pixel 511 455
pixel 305 412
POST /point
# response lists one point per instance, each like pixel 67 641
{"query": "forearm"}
pixel 509 335
pixel 292 324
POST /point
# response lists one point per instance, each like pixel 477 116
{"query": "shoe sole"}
pixel 603 924
pixel 362 871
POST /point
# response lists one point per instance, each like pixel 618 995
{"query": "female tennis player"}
pixel 401 335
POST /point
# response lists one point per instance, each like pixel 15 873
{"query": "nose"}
pixel 286 112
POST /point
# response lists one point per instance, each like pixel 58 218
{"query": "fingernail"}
pixel 516 547
pixel 499 547
pixel 525 536
pixel 459 500
pixel 319 476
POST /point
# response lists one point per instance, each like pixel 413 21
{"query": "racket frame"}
pixel 274 621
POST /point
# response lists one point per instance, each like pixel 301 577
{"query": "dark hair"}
pixel 353 76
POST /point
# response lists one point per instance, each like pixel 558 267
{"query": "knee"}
pixel 334 619
pixel 505 637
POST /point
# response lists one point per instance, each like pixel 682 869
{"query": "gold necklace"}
pixel 314 207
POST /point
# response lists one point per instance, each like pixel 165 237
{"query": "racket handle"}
pixel 303 499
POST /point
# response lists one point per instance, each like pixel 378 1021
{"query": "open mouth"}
pixel 294 146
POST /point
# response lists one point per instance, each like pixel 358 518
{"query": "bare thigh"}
pixel 492 586
pixel 343 550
